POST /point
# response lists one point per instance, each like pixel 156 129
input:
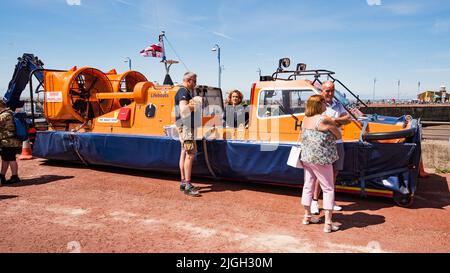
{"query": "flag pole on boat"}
pixel 158 51
pixel 167 63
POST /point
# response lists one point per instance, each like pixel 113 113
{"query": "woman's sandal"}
pixel 310 220
pixel 330 227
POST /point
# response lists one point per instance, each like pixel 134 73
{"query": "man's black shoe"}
pixel 13 180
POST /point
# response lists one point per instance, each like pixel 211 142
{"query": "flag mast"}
pixel 167 63
pixel 161 41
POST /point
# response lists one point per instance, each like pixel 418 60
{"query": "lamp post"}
pixel 374 83
pixel 128 60
pixel 398 91
pixel 217 48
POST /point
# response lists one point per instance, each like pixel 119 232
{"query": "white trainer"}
pixel 337 208
pixel 315 207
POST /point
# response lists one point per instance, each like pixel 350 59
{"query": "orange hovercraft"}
pixel 123 120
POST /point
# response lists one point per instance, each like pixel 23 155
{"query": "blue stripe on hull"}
pixel 391 166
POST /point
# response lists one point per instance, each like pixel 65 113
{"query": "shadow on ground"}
pixel 3 197
pixel 432 192
pixel 43 179
pixel 357 220
pixel 205 184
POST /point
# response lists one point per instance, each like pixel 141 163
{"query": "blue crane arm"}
pixel 25 65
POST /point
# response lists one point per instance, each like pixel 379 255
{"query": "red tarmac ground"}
pixel 61 207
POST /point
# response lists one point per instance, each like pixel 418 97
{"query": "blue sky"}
pixel 358 39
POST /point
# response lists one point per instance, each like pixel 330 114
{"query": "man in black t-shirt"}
pixel 184 111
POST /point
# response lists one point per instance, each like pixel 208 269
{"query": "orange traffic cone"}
pixel 26 151
pixel 422 172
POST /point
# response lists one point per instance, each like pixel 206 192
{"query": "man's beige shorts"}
pixel 187 140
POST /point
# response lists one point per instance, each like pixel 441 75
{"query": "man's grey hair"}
pixel 189 75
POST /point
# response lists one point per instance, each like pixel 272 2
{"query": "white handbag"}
pixel 294 156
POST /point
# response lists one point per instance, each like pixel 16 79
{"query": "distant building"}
pixel 434 96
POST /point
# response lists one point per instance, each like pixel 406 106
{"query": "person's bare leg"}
pixel 308 218
pixel 188 163
pixel 317 191
pixel 14 167
pixel 329 226
pixel 328 216
pixel 5 165
pixel 315 199
pixel 182 160
pixel 307 210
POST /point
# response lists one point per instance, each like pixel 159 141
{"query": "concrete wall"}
pixel 436 154
pixel 426 113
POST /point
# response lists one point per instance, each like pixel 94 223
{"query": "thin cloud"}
pixel 405 8
pixel 125 3
pixel 441 26
pixel 197 18
pixel 222 35
pixel 149 27
pixel 73 2
pixel 441 55
pixel 374 2
pixel 299 17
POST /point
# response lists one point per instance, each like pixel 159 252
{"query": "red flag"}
pixel 154 50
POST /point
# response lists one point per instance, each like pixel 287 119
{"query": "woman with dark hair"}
pixel 9 144
pixel 236 113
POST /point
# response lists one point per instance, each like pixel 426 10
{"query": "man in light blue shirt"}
pixel 337 112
